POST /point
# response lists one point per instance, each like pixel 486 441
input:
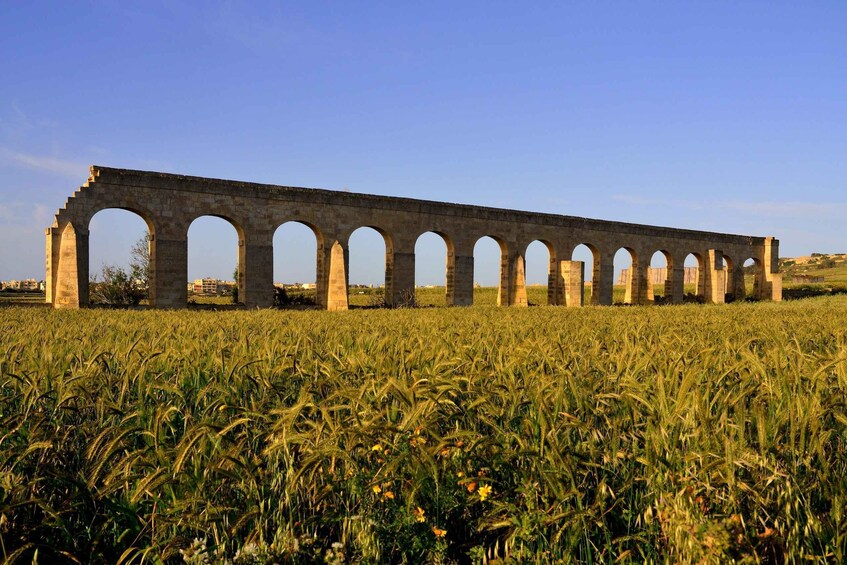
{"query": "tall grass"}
pixel 689 434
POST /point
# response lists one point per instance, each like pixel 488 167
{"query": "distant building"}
pixel 26 284
pixel 206 286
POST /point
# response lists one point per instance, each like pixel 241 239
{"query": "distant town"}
pixel 206 286
pixel 814 268
pixel 29 285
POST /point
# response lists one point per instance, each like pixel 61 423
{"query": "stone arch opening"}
pixel 628 287
pixel 589 256
pixel 541 273
pixel 216 262
pixel 369 267
pixel 433 253
pixel 119 249
pixel 660 278
pixel 753 278
pixel 695 278
pixel 491 259
pixel 296 262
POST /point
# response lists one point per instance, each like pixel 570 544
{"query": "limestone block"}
pixel 573 276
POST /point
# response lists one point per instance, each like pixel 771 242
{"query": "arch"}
pixel 694 277
pixel 131 234
pixel 370 270
pixel 430 247
pixel 216 278
pixel 589 255
pixel 542 273
pixel 660 278
pixel 490 269
pixel 753 278
pixel 629 287
pixel 296 262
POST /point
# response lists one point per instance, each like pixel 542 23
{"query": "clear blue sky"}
pixel 726 116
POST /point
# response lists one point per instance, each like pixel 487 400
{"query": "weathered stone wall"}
pixel 169 203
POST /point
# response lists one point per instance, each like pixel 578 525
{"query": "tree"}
pixel 139 264
pixel 118 287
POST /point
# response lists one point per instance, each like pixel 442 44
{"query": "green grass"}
pixel 691 434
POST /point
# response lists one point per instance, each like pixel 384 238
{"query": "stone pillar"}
pixel 757 283
pixel 71 289
pixel 573 283
pixel 776 287
pixel 168 272
pixel 715 284
pixel 555 283
pixel 336 278
pixel 400 270
pixel 322 273
pixel 459 280
pixel 503 288
pixel 516 277
pixel 638 283
pixel 675 284
pixel 651 295
pixel 735 282
pixel 53 247
pixel 636 286
pixel 772 289
pixel 602 285
pixel 255 274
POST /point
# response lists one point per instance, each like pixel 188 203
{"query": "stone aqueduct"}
pixel 169 203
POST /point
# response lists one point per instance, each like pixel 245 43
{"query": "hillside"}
pixel 832 267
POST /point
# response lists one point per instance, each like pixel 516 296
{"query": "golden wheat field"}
pixel 685 434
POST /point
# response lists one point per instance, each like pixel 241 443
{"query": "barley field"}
pixel 684 434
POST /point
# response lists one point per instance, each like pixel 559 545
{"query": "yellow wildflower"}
pixel 484 491
pixel 460 474
pixel 377 447
pixel 417 440
pixel 388 494
pixel 439 533
pixel 471 486
pixel 377 489
pixel 419 514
